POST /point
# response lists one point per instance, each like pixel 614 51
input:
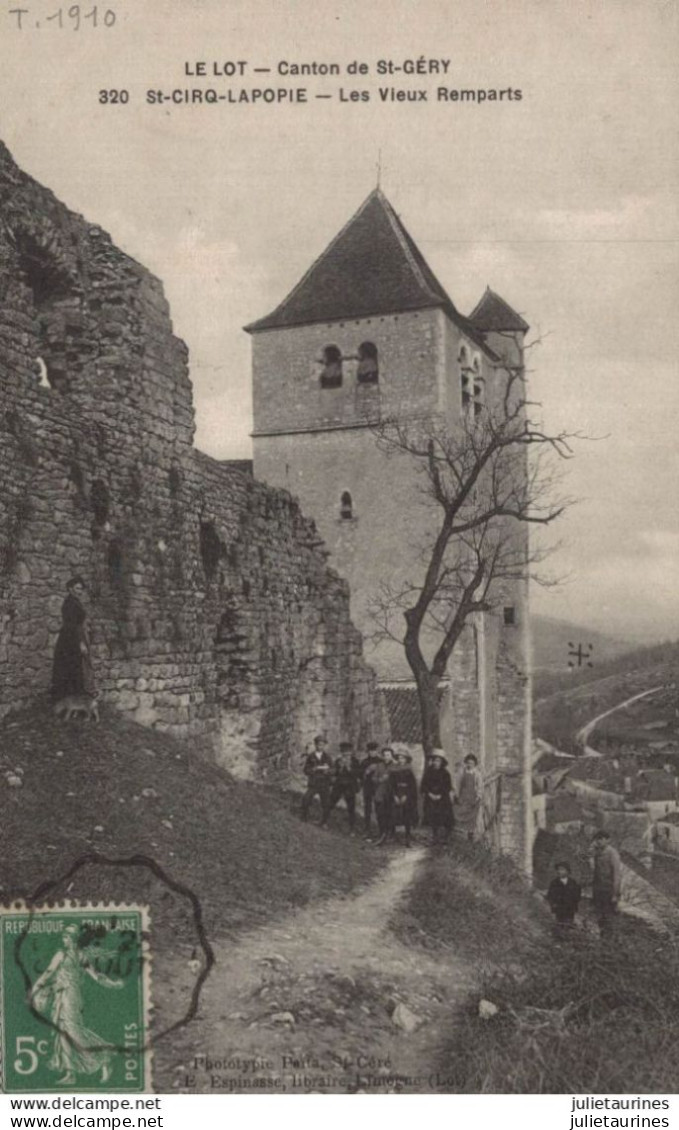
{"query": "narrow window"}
pixel 477 389
pixel 477 656
pixel 510 615
pixel 331 373
pixel 211 548
pixel 368 367
pixel 43 375
pixel 51 376
pixel 346 506
pixel 465 382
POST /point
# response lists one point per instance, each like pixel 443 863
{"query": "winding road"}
pixel 583 734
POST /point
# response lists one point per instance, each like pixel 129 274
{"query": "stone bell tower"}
pixel 370 333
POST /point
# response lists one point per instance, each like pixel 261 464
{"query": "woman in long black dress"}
pixel 437 808
pixel 72 672
pixel 403 796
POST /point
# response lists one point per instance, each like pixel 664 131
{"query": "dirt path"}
pixel 326 999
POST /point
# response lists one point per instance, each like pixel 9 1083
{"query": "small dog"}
pixel 75 704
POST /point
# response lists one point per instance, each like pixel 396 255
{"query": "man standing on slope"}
pixel 317 770
pixel 606 882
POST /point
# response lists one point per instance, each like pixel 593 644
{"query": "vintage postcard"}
pixel 338 549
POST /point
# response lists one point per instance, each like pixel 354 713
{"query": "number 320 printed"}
pixel 114 97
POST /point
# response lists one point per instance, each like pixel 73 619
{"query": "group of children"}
pixel 389 790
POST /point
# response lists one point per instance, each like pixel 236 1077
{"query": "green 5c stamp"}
pixel 75 1007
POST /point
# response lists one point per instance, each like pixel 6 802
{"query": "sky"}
pixel 564 202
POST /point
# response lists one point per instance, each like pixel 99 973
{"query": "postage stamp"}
pixel 75 985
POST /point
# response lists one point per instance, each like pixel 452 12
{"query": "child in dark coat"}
pixel 436 787
pixel 403 795
pixel 563 896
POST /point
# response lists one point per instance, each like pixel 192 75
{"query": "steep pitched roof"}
pixel 373 266
pixel 493 313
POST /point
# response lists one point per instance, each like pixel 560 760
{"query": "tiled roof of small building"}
pixel 493 313
pixel 372 267
pixel 403 709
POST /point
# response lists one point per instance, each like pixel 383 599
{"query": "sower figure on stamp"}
pixel 403 796
pixel 58 994
pixel 367 784
pixel 563 896
pixel 72 673
pixel 318 772
pixel 436 787
pixel 344 783
pixel 606 882
pixel 382 781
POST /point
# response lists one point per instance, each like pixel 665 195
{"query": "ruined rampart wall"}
pixel 213 609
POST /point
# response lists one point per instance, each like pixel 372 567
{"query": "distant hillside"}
pixel 552 641
pixel 562 707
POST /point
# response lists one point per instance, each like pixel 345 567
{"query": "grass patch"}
pixel 122 790
pixel 582 1015
pixel 579 1017
pixel 470 900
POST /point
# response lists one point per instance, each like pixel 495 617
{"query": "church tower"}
pixel 368 334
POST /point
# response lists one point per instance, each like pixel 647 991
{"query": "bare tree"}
pixel 486 478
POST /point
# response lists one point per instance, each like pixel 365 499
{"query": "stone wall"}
pixel 213 608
